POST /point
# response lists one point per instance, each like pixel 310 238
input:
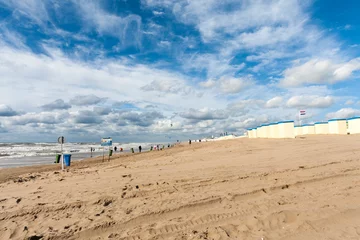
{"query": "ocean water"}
pixel 27 154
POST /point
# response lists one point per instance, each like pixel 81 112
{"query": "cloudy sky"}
pixel 151 70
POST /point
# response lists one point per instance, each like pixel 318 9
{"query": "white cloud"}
pixel 7 111
pixel 344 113
pixel 274 102
pixel 208 84
pixel 204 114
pixel 127 28
pixel 349 102
pixel 310 101
pixel 216 66
pixel 247 103
pixel 34 10
pixel 318 71
pixel 231 85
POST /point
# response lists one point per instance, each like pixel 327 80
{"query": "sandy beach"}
pixel 303 188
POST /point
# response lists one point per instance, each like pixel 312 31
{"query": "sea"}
pixel 28 154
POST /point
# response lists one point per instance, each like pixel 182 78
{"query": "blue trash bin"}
pixel 67 160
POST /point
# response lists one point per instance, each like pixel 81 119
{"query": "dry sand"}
pixel 305 188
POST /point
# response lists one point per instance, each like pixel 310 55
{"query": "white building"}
pixel 354 125
pixel 297 131
pixel 321 128
pixel 308 129
pixel 337 126
pixel 286 129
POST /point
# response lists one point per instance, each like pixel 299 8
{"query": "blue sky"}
pixel 144 70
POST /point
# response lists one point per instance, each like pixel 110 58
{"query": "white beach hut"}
pixel 354 125
pixel 286 129
pixel 268 132
pixel 272 127
pixel 261 131
pixel 337 126
pixel 321 128
pixel 298 131
pixel 254 133
pixel 308 129
pixel 249 133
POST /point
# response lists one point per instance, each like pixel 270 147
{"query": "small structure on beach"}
pixel 308 129
pixel 321 128
pixel 254 132
pixel 337 126
pixel 297 130
pixel 272 127
pixel 250 133
pixel 286 129
pixel 354 125
pixel 267 131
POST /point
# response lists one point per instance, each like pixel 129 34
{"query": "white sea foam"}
pixel 18 150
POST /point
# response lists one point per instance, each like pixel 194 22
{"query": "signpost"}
pixel 61 140
pixel 106 142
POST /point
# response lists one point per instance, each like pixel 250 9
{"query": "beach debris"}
pixel 113 235
pixel 18 200
pixel 128 211
pixel 137 186
pixel 98 214
pixel 35 237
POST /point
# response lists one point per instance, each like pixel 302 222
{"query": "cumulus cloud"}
pixel 143 119
pixel 234 85
pixel 208 84
pixel 246 103
pixel 274 102
pixel 58 104
pixel 7 111
pixel 39 118
pixel 204 114
pixel 310 102
pixel 87 117
pixel 318 71
pixel 349 102
pixel 168 86
pixel 86 100
pixel 344 113
pixel 102 110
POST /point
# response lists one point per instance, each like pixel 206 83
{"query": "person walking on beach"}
pixel 139 149
pixel 115 148
pixel 189 141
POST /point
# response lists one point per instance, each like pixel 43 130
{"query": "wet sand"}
pixel 304 188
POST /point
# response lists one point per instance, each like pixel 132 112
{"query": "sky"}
pixel 162 70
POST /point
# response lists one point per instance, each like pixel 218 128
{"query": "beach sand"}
pixel 303 188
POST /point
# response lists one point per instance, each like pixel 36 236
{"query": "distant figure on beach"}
pixel 121 149
pixel 115 148
pixel 139 149
pixel 158 147
pixel 190 141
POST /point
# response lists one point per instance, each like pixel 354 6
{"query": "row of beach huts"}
pixel 287 129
